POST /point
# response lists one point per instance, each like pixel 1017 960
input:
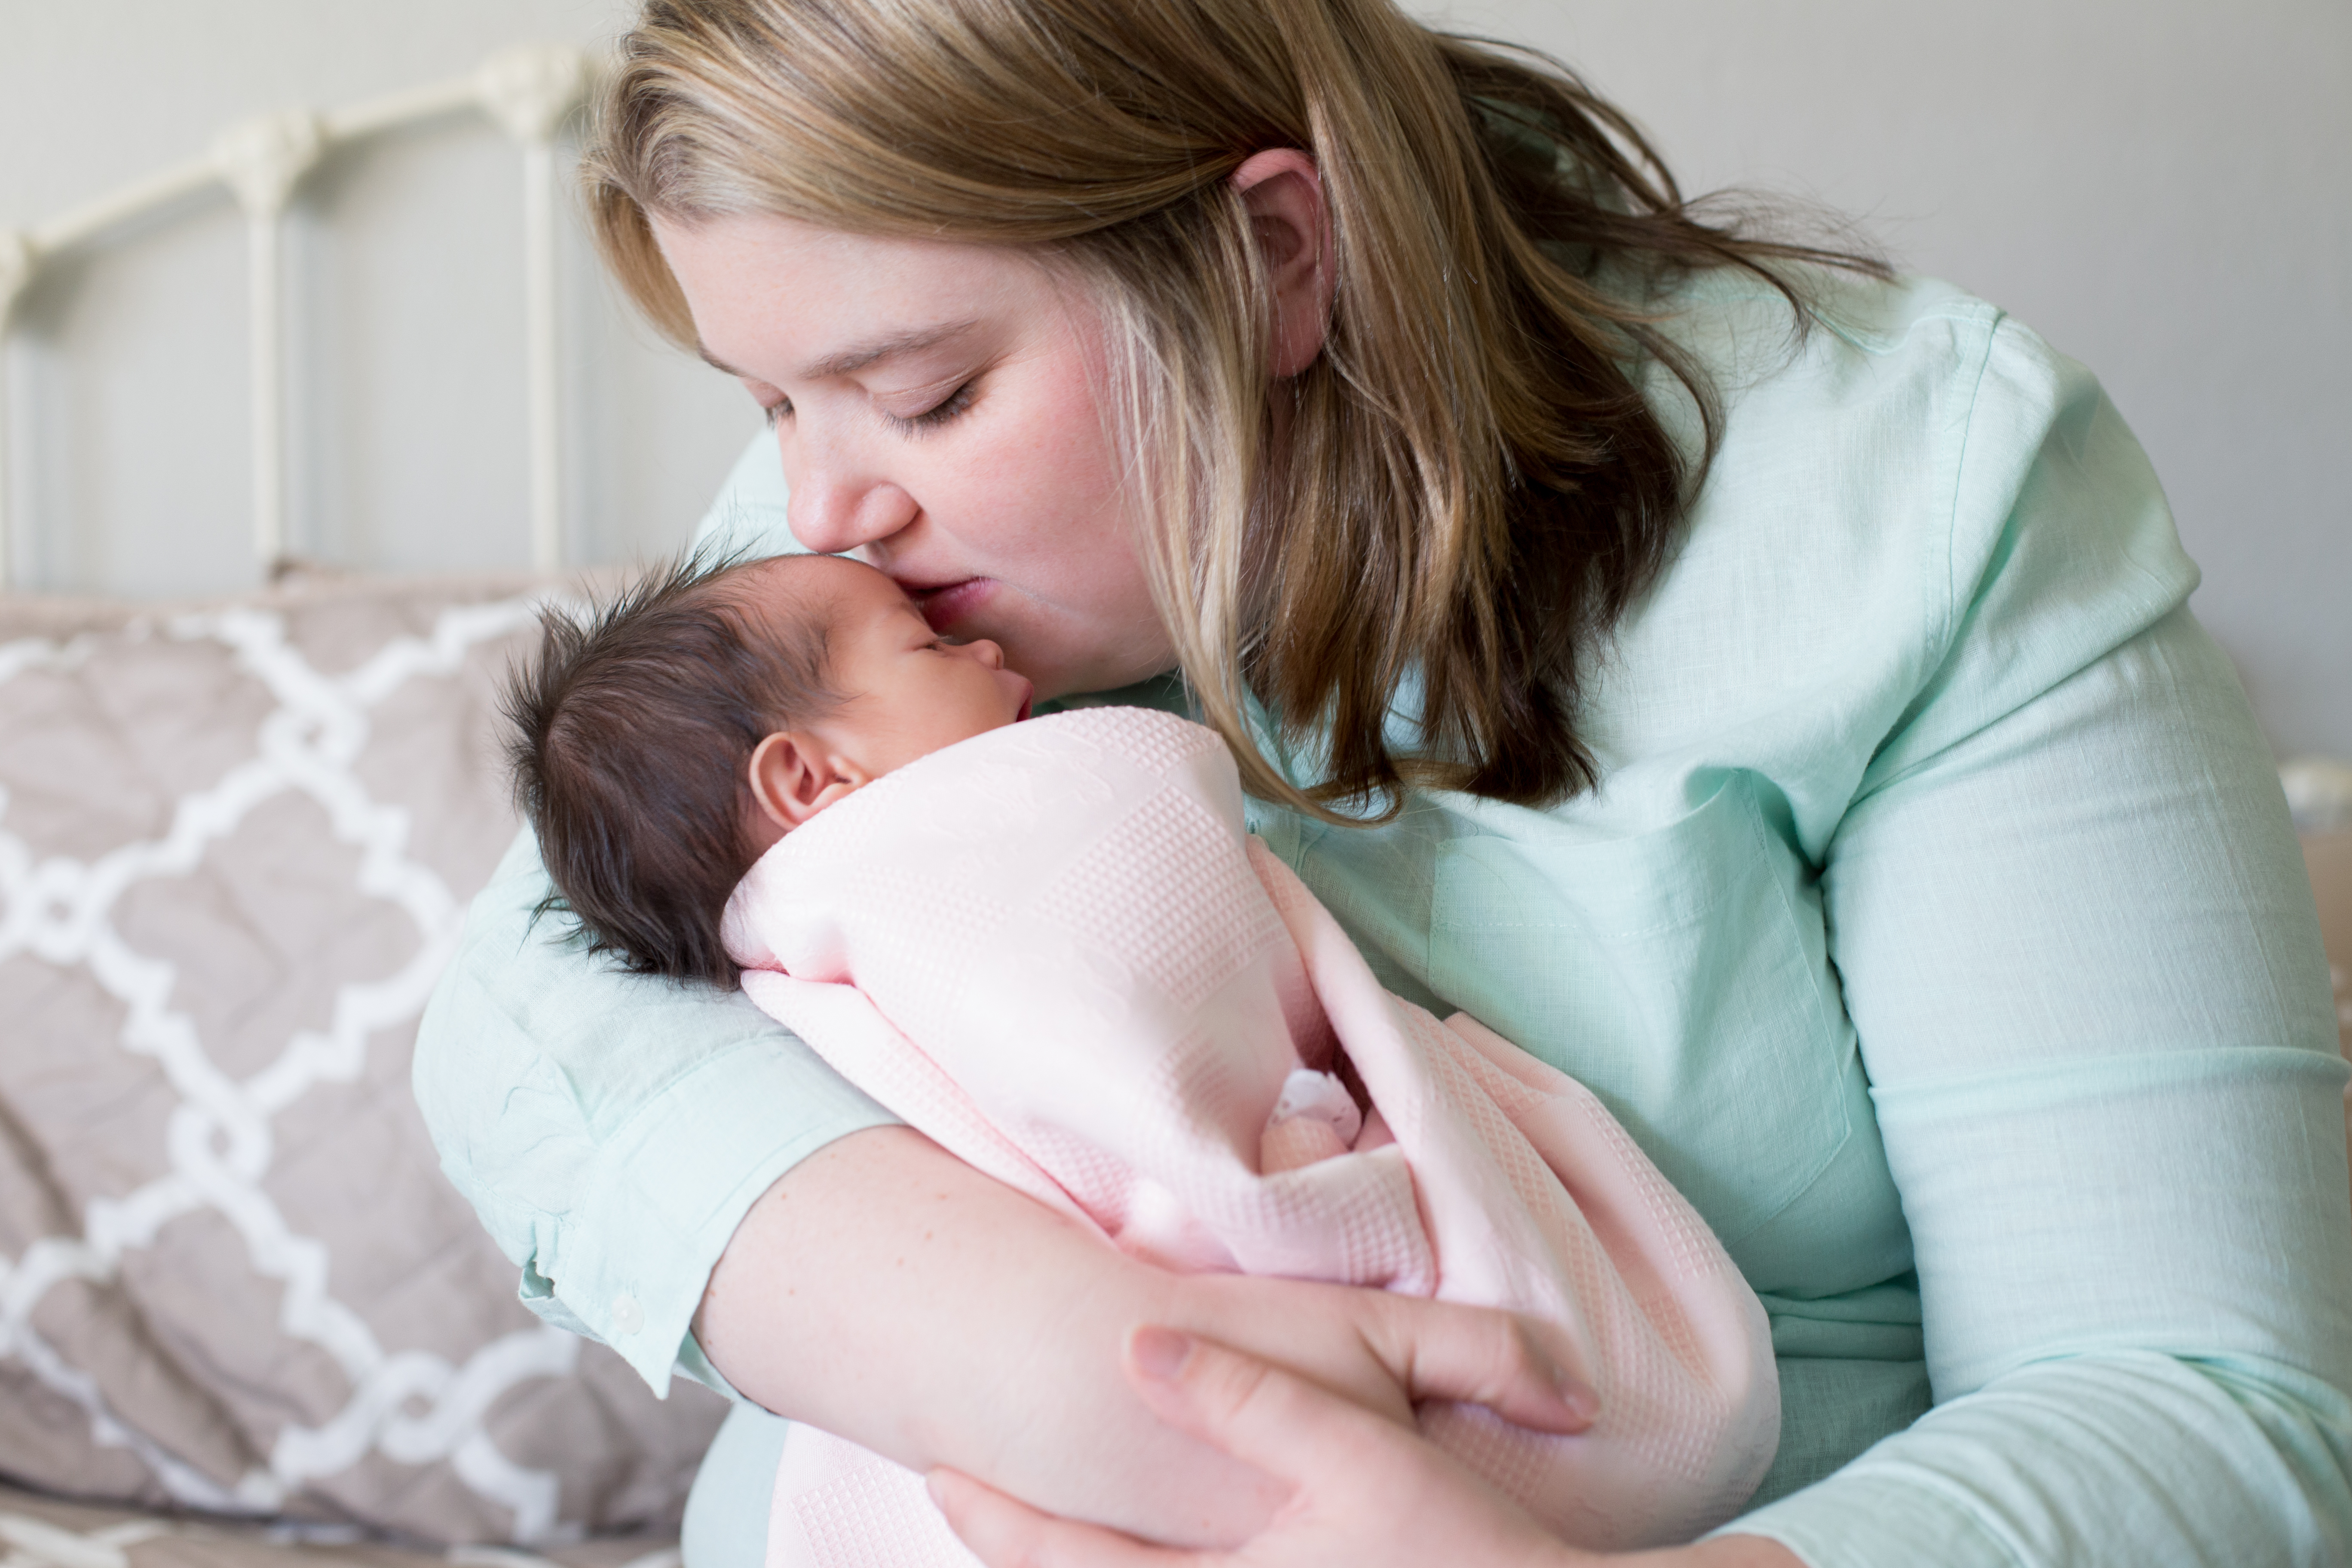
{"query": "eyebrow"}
pixel 850 360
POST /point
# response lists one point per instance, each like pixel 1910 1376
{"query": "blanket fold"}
pixel 1054 949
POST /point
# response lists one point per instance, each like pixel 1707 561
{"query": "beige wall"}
pixel 2163 188
pixel 2159 186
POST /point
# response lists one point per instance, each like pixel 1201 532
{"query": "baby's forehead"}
pixel 827 585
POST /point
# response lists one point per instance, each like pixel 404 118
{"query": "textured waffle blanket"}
pixel 1055 950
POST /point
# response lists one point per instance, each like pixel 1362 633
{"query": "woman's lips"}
pixel 949 603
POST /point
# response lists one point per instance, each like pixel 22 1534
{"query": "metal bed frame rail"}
pixel 528 91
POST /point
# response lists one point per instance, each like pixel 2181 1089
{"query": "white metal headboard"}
pixel 528 91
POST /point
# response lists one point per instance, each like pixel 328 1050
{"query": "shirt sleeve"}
pixel 611 1131
pixel 2076 940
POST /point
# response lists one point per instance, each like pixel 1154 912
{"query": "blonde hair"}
pixel 1473 486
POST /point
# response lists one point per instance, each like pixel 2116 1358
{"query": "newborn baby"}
pixel 663 743
pixel 1052 948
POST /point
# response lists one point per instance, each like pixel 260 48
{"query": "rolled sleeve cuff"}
pixel 633 1259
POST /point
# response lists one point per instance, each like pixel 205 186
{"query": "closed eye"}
pixel 940 412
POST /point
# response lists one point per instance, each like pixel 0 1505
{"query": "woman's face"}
pixel 938 410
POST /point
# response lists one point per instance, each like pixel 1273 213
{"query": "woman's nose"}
pixel 835 504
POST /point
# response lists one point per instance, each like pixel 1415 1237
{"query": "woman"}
pixel 1759 687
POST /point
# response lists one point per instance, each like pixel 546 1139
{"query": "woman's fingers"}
pixel 1521 1370
pixel 1364 1491
pixel 1006 1533
pixel 1262 1416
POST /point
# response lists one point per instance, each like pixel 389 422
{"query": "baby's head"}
pixel 668 739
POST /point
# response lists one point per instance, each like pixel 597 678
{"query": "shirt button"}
pixel 627 1316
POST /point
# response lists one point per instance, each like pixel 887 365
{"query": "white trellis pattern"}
pixel 406 1409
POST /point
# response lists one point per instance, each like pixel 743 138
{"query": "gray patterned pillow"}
pixel 236 843
pixel 42 1532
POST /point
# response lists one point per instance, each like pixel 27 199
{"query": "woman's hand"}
pixel 1384 1353
pixel 1363 1490
pixel 887 1292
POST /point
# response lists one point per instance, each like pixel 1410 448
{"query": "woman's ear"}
pixel 793 777
pixel 1284 196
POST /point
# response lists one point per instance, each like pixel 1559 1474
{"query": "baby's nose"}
pixel 987 652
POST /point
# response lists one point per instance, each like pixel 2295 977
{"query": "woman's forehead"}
pixel 772 296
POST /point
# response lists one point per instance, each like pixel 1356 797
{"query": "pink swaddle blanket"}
pixel 1054 949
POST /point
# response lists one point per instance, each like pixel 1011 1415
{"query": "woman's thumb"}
pixel 1261 1414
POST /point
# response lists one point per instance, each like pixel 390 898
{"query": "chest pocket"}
pixel 1682 975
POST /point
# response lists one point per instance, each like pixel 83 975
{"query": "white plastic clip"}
pixel 1319 1096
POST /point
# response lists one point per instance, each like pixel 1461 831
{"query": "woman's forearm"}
pixel 887 1292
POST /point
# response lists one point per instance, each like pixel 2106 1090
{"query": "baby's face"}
pixel 909 693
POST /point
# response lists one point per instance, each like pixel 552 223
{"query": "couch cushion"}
pixel 43 1532
pixel 236 843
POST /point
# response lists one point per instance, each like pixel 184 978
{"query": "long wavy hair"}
pixel 1473 485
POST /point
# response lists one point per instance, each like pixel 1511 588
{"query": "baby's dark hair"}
pixel 633 733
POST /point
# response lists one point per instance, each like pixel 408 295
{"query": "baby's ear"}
pixel 793 777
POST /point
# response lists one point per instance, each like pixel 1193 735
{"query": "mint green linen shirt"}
pixel 1936 928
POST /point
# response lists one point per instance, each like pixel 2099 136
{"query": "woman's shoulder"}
pixel 1903 358
pixel 1875 452
pixel 1914 477
pixel 1907 431
pixel 1916 436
